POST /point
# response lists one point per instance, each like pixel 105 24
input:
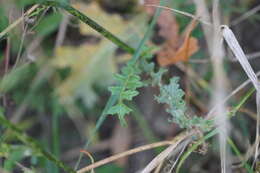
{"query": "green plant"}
pixel 172 95
pixel 128 83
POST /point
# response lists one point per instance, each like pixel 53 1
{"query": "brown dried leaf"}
pixel 177 48
pixel 168 27
pixel 168 55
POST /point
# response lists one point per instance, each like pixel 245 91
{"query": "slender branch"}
pixel 176 141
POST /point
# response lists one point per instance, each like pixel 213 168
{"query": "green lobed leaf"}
pixel 121 110
pixel 172 95
pixel 129 94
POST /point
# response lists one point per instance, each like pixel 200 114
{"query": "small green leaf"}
pixel 119 77
pixel 120 109
pixel 172 95
pixel 129 94
pixel 115 89
pixel 134 82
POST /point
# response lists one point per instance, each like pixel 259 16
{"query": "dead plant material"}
pixel 188 45
pixel 177 48
pixel 173 143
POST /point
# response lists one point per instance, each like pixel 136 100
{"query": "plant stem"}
pixel 79 15
pixel 215 131
pixel 55 138
pixel 111 101
pixel 34 144
pixel 137 54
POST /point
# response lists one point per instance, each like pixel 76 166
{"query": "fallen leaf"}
pixel 168 55
pixel 177 48
pixel 168 27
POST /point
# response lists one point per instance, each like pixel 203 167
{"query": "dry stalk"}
pixel 18 21
pixel 182 13
pixel 173 143
pixel 159 158
pixel 240 55
pixel 220 89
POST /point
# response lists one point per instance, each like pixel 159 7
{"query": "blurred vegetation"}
pixel 56 73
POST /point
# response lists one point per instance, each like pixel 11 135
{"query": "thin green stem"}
pixel 237 152
pixel 215 131
pixel 34 144
pixel 194 147
pixel 111 101
pixel 239 105
pixel 137 54
pixel 55 138
pixel 79 15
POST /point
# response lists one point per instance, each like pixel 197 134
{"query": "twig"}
pixel 240 55
pixel 158 159
pixel 181 12
pixel 62 31
pixel 239 88
pixel 179 155
pixel 220 89
pixel 250 56
pixel 202 10
pixel 18 21
pixel 175 141
pixel 245 15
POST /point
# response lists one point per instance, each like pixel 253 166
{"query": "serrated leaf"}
pixel 157 77
pixel 172 95
pixel 129 94
pixel 134 82
pixel 120 78
pixel 91 64
pixel 115 90
pixel 121 110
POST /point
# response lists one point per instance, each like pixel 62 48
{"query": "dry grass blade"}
pixel 18 21
pixel 158 159
pixel 91 158
pixel 220 87
pixel 175 141
pixel 203 12
pixel 240 55
pixel 245 15
pixel 181 12
pixel 235 91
